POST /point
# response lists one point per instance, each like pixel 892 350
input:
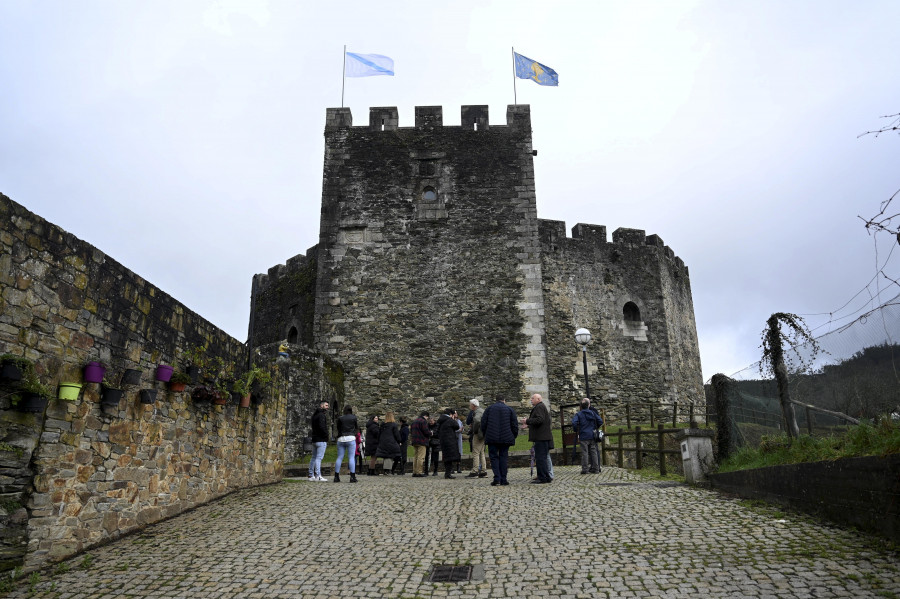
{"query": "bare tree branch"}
pixel 894 125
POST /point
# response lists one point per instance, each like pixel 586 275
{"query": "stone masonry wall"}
pixel 283 302
pixel 587 282
pixel 429 259
pixel 79 474
pixel 309 379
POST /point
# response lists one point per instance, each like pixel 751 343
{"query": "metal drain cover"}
pixel 450 574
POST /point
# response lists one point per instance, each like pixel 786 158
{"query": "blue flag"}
pixel 368 65
pixel 537 72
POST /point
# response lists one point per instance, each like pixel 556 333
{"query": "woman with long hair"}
pixel 373 428
pixel 388 440
pixel 347 430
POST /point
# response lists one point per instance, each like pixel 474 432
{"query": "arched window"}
pixel 429 194
pixel 631 312
pixel 292 335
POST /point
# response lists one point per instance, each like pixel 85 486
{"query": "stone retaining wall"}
pixel 79 474
pixel 861 492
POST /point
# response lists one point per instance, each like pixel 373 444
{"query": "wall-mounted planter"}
pixel 194 373
pixel 177 387
pixel 131 377
pixel 110 396
pixel 93 372
pixel 220 399
pixel 164 373
pixel 11 371
pixel 31 402
pixel 245 401
pixel 69 391
pixel 200 394
pixel 148 396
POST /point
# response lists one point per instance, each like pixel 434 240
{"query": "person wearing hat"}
pixel 479 464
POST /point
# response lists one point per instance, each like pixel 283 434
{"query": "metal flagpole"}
pixel 343 75
pixel 514 75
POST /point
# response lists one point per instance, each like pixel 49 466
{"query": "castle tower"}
pixel 434 281
pixel 429 268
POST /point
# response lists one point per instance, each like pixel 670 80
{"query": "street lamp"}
pixel 583 337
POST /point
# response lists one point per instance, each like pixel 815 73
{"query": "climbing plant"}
pixel 782 329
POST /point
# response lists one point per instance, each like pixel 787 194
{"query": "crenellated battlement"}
pixel 435 281
pixel 553 232
pixel 472 118
pixel 291 265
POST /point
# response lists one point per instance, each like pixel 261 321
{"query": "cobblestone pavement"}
pixel 612 534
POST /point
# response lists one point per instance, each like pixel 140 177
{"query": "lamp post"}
pixel 583 337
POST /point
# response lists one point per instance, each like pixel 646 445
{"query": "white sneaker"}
pixel 322 480
pixel 311 479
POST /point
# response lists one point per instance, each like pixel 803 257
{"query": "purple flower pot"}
pixel 164 373
pixel 93 372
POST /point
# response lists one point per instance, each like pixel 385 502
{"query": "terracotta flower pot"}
pixel 177 387
pixel 245 401
pixel 220 399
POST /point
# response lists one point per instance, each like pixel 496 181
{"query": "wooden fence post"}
pixel 662 456
pixel 628 415
pixel 620 459
pixel 638 459
pixel 603 443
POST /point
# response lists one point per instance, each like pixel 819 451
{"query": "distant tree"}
pixel 785 328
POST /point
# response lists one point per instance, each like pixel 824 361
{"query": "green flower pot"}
pixel 69 391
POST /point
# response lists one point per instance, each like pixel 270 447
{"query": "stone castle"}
pixel 434 281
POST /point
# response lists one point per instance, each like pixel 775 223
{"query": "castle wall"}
pixel 587 282
pixel 429 268
pixel 79 474
pixel 283 303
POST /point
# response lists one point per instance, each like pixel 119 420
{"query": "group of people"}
pixel 432 439
pixel 495 428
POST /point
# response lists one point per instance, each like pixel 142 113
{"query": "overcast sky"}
pixel 185 139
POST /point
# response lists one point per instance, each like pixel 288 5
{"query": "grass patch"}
pixel 652 472
pixel 864 439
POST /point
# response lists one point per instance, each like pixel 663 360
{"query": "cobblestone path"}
pixel 609 535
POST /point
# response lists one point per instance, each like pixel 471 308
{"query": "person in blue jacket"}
pixel 585 422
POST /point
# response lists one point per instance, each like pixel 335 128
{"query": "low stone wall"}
pixel 77 473
pixel 860 492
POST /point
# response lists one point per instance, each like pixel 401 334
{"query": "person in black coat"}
pixel 434 448
pixel 373 428
pixel 388 439
pixel 447 426
pixel 500 427
pixel 400 467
